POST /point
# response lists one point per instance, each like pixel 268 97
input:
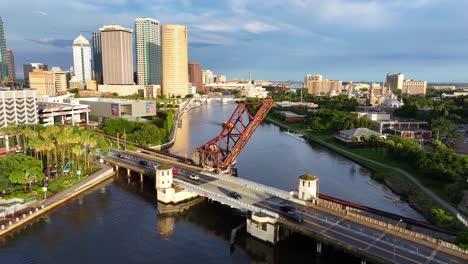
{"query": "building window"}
pixel 309 184
pixel 303 183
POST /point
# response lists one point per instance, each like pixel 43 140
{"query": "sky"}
pixel 359 40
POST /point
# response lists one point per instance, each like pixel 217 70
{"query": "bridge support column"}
pixel 141 177
pixel 363 261
pixel 129 172
pixel 116 167
pixel 264 227
pixel 319 247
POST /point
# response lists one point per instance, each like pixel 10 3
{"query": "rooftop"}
pixel 359 132
pixel 308 177
pixel 164 167
pixel 80 41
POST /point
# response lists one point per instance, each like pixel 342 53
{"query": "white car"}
pixel 194 177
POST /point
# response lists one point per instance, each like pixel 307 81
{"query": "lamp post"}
pixel 394 239
pixel 78 172
pixel 437 133
pixel 44 189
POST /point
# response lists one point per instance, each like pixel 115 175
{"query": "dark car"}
pixel 235 195
pixel 143 162
pixel 295 217
pixel 287 208
pixel 120 155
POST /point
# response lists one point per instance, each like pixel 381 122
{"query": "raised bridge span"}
pixel 370 238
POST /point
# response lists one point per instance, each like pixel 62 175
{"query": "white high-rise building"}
pixel 148 51
pixel 81 60
pixel 208 77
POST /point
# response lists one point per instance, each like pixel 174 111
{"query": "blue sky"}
pixel 274 39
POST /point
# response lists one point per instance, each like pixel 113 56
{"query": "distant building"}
pixel 412 87
pixel 48 82
pixel 81 60
pixel 394 81
pixel 196 75
pixel 148 51
pixel 117 55
pixel 292 117
pixel 220 78
pixel 97 57
pixel 3 52
pixel 148 91
pixel 18 107
pixel 174 60
pixel 28 68
pixel 208 77
pixel 444 87
pixel 316 85
pixel 357 134
pixel 11 64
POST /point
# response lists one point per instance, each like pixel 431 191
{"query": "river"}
pixel 118 221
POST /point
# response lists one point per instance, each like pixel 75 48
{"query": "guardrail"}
pixel 256 186
pixel 223 198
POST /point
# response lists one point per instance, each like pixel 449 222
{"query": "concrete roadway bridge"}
pixel 363 236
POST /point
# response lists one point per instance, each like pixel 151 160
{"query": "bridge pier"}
pixel 116 167
pixel 129 172
pixel 363 261
pixel 141 177
pixel 264 227
pixel 319 247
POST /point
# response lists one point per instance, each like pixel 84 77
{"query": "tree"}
pixel 20 169
pixel 444 128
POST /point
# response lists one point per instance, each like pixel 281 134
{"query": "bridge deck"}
pixel 341 230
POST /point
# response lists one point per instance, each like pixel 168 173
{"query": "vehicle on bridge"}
pixel 293 215
pixel 194 177
pixel 120 156
pixel 174 171
pixel 143 162
pixel 287 208
pixel 235 195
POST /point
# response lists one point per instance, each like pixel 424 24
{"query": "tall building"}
pixel 394 81
pixel 3 52
pixel 148 51
pixel 48 82
pixel 117 55
pixel 11 64
pixel 28 68
pixel 196 75
pixel 316 85
pixel 81 60
pixel 413 87
pixel 97 57
pixel 174 60
pixel 18 107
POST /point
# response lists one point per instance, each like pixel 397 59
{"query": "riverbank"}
pixel 398 180
pixel 42 207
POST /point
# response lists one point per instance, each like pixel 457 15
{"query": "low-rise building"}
pixel 105 108
pixel 148 91
pixel 293 117
pixel 355 134
pixel 63 114
pixel 413 87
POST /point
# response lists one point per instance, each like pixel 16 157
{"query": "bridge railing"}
pixel 223 198
pixel 384 225
pixel 256 186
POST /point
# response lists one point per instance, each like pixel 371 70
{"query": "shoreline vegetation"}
pixel 392 178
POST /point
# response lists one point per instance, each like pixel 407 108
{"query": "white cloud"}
pixel 216 27
pixel 39 12
pixel 259 27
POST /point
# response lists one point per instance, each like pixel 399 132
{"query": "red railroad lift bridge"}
pixel 220 153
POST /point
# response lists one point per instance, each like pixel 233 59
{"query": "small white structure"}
pixel 263 227
pixel 308 187
pixel 166 191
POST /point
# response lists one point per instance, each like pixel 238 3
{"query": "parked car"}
pixel 120 156
pixel 174 171
pixel 287 208
pixel 143 162
pixel 235 195
pixel 295 216
pixel 194 177
pixel 50 170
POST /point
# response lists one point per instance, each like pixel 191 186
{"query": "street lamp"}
pixel 44 189
pixel 78 172
pixel 394 239
pixel 437 133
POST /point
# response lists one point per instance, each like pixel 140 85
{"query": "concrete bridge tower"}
pixel 308 187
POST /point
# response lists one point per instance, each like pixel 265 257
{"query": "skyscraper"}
pixel 117 55
pixel 174 60
pixel 81 60
pixel 148 51
pixel 3 52
pixel 11 64
pixel 97 57
pixel 196 75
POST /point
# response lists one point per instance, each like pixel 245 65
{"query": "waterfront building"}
pixel 117 55
pixel 3 52
pixel 52 113
pixel 394 81
pixel 148 91
pixel 413 87
pixel 81 60
pixel 318 86
pixel 196 75
pixel 28 68
pixel 148 51
pixel 11 64
pixel 97 57
pixel 18 107
pixel 175 60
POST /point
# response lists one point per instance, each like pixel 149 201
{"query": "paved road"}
pixel 448 206
pixel 382 244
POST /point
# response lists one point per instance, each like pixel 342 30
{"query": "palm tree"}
pixel 7 81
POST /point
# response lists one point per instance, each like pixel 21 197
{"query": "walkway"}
pixel 434 196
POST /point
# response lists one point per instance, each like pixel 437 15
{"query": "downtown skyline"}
pixel 348 40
